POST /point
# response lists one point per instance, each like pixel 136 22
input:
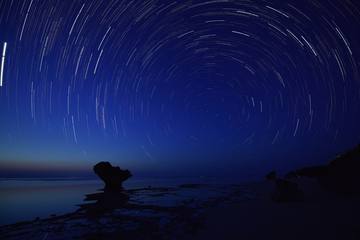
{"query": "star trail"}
pixel 2 65
pixel 190 85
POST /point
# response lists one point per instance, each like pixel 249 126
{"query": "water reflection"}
pixel 24 200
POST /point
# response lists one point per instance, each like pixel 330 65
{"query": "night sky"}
pixel 177 87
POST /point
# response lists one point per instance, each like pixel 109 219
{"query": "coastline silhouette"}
pixel 208 211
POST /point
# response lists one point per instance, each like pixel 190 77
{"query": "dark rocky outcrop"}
pixel 341 175
pixel 271 176
pixel 104 202
pixel 285 190
pixel 315 171
pixel 113 177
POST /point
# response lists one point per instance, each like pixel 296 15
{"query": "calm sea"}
pixel 26 199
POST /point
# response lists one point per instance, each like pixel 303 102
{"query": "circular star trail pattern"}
pixel 166 81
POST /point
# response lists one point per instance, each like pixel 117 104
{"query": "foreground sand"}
pixel 193 211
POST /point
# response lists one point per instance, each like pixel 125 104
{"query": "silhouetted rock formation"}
pixel 341 175
pixel 105 202
pixel 285 191
pixel 113 177
pixel 316 171
pixel 271 175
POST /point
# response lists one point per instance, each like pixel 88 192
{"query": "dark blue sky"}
pixel 182 88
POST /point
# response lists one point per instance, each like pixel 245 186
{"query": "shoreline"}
pixel 200 211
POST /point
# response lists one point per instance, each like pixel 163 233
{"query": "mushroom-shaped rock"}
pixel 113 177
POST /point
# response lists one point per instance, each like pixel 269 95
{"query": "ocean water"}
pixel 27 199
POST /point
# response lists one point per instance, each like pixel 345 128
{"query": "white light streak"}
pixel 297 126
pixel 26 17
pixel 73 128
pixel 104 38
pixel 72 27
pixel 2 64
pixel 247 13
pixel 241 33
pixel 97 62
pixel 278 11
pixel 184 34
pixel 309 45
pixel 344 40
